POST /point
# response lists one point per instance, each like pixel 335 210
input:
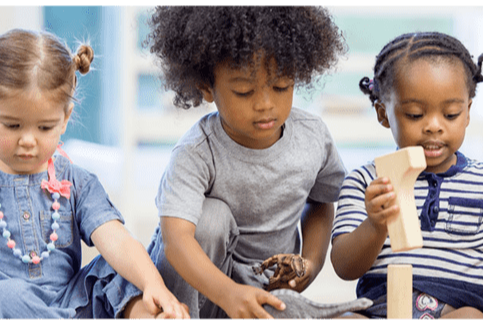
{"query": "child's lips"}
pixel 433 149
pixel 265 124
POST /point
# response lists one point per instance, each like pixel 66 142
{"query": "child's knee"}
pixel 13 297
pixel 217 226
pixel 465 312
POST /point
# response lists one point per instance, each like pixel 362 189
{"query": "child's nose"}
pixel 27 139
pixel 433 125
pixel 264 101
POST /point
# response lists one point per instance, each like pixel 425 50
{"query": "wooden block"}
pixel 402 168
pixel 399 292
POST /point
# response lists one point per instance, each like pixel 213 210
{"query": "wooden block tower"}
pixel 402 168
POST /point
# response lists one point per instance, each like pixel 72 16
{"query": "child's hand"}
pixel 160 302
pixel 245 301
pixel 378 199
pixel 299 284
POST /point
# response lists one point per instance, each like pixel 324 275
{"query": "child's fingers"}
pixel 151 306
pixel 272 300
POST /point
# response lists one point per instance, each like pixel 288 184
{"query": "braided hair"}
pixel 412 46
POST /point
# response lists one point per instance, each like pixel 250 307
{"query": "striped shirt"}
pixel 449 266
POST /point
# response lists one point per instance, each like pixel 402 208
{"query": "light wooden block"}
pixel 399 292
pixel 402 168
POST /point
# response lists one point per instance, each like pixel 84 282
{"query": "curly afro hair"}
pixel 190 41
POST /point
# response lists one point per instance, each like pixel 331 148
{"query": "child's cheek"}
pixel 5 144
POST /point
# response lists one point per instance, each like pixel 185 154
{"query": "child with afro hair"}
pixel 242 178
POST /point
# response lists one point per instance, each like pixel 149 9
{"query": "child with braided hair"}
pixel 48 205
pixel 422 90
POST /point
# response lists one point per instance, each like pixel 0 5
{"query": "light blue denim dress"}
pixel 57 287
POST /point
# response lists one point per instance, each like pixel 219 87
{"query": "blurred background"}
pixel 125 124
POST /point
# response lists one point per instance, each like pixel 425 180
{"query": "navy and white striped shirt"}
pixel 450 208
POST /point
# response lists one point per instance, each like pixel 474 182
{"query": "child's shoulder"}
pixel 308 121
pixel 200 132
pixel 365 173
pixel 67 170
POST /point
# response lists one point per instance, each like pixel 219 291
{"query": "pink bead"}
pixel 11 244
pixel 56 205
pixel 54 237
pixel 1 214
pixel 36 260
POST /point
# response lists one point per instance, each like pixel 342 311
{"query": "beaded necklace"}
pixel 56 189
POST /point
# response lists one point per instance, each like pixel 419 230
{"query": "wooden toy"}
pixel 402 168
pixel 399 292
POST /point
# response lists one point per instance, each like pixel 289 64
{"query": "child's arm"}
pixel 190 261
pixel 354 253
pixel 129 258
pixel 316 227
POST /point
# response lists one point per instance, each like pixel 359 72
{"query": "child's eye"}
pixel 452 116
pixel 11 126
pixel 45 128
pixel 280 89
pixel 414 116
pixel 243 94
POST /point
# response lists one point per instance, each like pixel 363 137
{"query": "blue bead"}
pixel 45 254
pixel 50 246
pixel 55 226
pixel 55 196
pixel 26 259
pixel 55 216
pixel 3 224
pixel 17 252
pixel 6 234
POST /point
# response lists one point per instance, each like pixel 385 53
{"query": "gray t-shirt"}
pixel 266 189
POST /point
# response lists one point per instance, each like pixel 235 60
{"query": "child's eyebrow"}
pixel 238 79
pixel 448 101
pixel 9 118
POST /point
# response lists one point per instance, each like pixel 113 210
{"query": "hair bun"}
pixel 83 59
pixel 478 78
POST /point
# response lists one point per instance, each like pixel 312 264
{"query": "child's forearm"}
pixel 316 228
pixel 190 261
pixel 126 255
pixel 354 253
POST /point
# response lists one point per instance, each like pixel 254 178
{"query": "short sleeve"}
pixel 351 210
pixel 332 172
pixel 92 205
pixel 185 182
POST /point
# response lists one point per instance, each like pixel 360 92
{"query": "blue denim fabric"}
pixel 57 286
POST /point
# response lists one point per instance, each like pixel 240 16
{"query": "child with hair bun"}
pixel 422 90
pixel 242 178
pixel 48 205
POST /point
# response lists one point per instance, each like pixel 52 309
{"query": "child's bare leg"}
pixel 135 309
pixel 461 313
pixel 351 315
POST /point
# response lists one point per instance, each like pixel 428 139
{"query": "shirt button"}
pixel 435 183
pixel 432 222
pixel 26 215
pixel 435 209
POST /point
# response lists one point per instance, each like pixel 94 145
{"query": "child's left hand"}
pixel 299 284
pixel 292 272
pixel 163 304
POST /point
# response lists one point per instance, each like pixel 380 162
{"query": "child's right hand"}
pixel 245 301
pixel 379 200
pixel 158 297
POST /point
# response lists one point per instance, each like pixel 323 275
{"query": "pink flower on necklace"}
pixel 54 185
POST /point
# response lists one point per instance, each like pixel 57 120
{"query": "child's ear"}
pixel 207 93
pixel 469 107
pixel 381 113
pixel 68 113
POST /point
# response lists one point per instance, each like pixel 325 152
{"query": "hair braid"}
pixel 413 46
